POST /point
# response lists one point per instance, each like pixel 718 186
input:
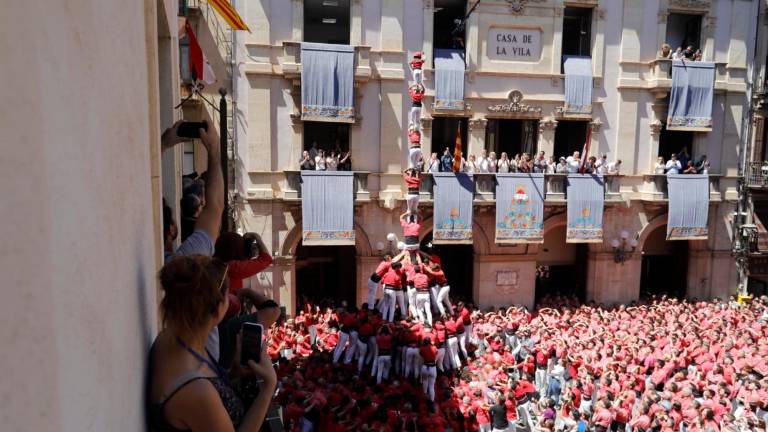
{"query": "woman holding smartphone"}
pixel 188 390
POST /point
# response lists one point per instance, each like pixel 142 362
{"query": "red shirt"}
pixel 438 275
pixel 384 342
pixel 465 316
pixel 239 270
pixel 416 96
pixel 383 268
pixel 421 282
pixel 428 353
pixel 417 63
pixel 393 278
pixel 410 228
pixel 411 182
pixel 414 137
pixel 450 328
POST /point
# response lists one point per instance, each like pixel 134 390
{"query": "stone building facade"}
pixel 510 86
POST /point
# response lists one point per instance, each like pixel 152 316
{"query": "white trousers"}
pixel 414 118
pixel 541 380
pixel 373 353
pixel 383 364
pixel 415 156
pixel 443 300
pixel 418 76
pixel 412 302
pixel 453 352
pixel 428 376
pixel 440 358
pixel 343 338
pixel 312 334
pixel 391 296
pixel 423 308
pixel 463 342
pixel 372 288
pixel 412 201
pixel 352 348
pixel 362 353
pixel 412 362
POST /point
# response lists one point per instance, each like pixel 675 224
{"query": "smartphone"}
pixel 191 129
pixel 253 335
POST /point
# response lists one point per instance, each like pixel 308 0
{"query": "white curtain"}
pixel 578 85
pixel 690 101
pixel 688 206
pixel 586 196
pixel 327 208
pixel 449 79
pixel 327 82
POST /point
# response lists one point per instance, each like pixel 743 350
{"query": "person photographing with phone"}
pixel 188 390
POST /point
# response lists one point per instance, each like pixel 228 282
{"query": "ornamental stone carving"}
pixel 596 125
pixel 516 106
pixel 547 124
pixel 690 4
pixel 477 124
pixel 655 127
pixel 517 7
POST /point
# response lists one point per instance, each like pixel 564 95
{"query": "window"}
pixel 444 134
pixel 188 159
pixel 449 29
pixel 570 136
pixel 675 142
pixel 684 30
pixel 331 137
pixel 514 137
pixel 326 21
pixel 577 32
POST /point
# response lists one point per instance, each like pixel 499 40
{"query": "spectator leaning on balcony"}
pixel 702 166
pixel 660 167
pixel 482 162
pixel 433 165
pixel 614 167
pixel 504 165
pixel 574 162
pixel 492 161
pixel 446 161
pixel 690 168
pixel 320 160
pixel 306 162
pixel 562 166
pixel 673 165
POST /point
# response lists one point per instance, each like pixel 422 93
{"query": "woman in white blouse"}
pixel 434 164
pixel 660 166
pixel 320 161
pixel 471 166
pixel 504 163
pixel 492 162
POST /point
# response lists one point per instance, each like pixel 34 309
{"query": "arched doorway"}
pixel 664 265
pixel 458 265
pixel 561 267
pixel 325 273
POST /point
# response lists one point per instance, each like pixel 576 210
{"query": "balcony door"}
pixel 327 21
pixel 513 137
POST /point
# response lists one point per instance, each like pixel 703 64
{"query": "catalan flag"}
pixel 230 15
pixel 457 150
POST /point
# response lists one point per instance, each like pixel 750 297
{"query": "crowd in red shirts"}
pixel 662 365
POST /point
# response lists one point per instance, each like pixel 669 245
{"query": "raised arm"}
pixel 210 217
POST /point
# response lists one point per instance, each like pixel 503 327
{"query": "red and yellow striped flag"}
pixel 457 150
pixel 230 15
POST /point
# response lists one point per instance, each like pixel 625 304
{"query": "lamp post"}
pixel 623 248
pixel 391 239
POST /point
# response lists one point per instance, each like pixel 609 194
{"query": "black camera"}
pixel 250 246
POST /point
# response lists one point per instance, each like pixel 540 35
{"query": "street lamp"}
pixel 622 248
pixel 391 239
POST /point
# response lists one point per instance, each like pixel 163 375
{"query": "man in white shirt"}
pixel 613 167
pixel 673 165
pixel 601 166
pixel 574 162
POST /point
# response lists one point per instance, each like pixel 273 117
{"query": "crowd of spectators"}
pixel 658 365
pixel 681 163
pixel 318 159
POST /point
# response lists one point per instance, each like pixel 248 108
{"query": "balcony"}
pixel 654 188
pixel 659 79
pixel 757 175
pixel 213 35
pixel 292 189
pixel 291 62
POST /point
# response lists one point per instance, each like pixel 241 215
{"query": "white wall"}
pixel 79 250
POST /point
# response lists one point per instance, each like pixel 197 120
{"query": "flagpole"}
pixel 585 151
pixel 223 134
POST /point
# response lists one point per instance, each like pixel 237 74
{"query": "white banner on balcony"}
pixel 454 195
pixel 327 82
pixel 690 101
pixel 586 196
pixel 578 85
pixel 519 208
pixel 688 217
pixel 327 208
pixel 449 79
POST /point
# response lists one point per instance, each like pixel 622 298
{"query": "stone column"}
pixel 476 136
pixel 426 137
pixel 547 127
pixel 356 23
pixel 613 283
pixel 557 48
pixel 594 139
pixel 284 283
pixel 429 29
pixel 366 265
pixel 297 14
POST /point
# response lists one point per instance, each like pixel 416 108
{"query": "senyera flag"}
pixel 198 63
pixel 457 150
pixel 585 153
pixel 230 15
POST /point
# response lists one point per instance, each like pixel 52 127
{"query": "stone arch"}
pixel 650 227
pixel 555 221
pixel 480 241
pixel 291 242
